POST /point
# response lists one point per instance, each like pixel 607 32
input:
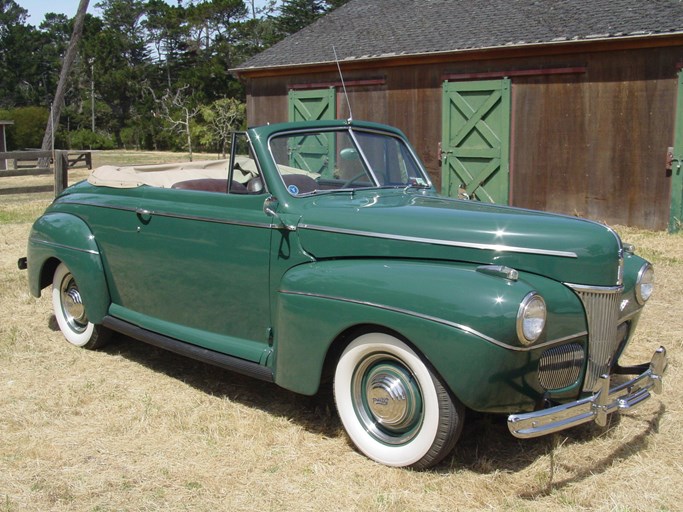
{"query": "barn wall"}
pixel 595 144
pixel 590 141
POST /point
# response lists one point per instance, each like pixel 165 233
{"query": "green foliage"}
pixel 220 118
pixel 87 139
pixel 133 47
pixel 297 14
pixel 29 126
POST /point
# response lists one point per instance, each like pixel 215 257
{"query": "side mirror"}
pixel 348 154
pixel 270 206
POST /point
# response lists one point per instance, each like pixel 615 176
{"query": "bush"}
pixel 86 139
pixel 28 129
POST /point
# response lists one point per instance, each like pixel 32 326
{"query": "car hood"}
pixel 422 225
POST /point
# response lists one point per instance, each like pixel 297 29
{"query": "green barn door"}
pixel 476 140
pixel 313 153
pixel 676 208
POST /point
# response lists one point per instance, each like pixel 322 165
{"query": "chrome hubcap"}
pixel 388 399
pixel 72 304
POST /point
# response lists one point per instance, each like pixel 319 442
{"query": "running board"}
pixel 211 357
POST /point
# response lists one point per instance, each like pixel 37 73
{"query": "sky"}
pixel 38 8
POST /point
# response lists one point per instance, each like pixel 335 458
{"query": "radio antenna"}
pixel 348 103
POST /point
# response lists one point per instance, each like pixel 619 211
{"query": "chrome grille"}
pixel 602 313
pixel 560 366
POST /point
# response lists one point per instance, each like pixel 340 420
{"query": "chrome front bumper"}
pixel 595 407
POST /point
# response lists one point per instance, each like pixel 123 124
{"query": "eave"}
pixel 564 47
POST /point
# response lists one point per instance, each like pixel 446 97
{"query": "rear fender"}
pixel 65 238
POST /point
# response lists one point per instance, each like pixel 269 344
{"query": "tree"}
pixel 223 117
pixel 297 14
pixel 133 46
pixel 116 45
pixel 18 69
pixel 167 32
pixel 175 108
pixel 64 75
pixel 27 130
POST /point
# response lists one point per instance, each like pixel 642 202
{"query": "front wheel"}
pixel 393 407
pixel 70 312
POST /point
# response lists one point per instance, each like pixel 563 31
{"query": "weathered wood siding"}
pixel 590 141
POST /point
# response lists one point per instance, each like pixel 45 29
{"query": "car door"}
pixel 194 265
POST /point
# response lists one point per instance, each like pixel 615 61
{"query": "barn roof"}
pixel 378 29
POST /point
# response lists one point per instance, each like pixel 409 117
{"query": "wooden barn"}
pixel 567 106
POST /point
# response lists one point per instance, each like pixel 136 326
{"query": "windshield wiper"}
pixel 415 185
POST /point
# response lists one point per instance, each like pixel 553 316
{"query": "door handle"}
pixel 144 215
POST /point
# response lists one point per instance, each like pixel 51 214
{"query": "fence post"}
pixel 61 171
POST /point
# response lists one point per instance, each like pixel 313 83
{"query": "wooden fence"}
pixel 38 163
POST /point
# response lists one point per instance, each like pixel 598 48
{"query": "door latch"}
pixel 672 163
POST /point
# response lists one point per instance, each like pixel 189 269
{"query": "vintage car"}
pixel 320 252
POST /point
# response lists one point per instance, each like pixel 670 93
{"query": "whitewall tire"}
pixel 394 409
pixel 69 311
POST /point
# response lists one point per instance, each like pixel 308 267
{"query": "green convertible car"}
pixel 320 252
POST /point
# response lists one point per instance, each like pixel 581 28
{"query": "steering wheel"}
pixel 348 182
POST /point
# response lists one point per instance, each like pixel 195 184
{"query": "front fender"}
pixel 461 320
pixel 62 237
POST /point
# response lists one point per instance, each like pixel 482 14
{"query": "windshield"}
pixel 344 160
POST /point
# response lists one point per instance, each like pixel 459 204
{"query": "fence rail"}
pixel 59 164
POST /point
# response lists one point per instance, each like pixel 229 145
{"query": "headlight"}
pixel 645 283
pixel 531 318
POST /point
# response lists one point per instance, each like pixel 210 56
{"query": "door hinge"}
pixel 673 163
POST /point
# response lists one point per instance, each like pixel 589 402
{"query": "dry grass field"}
pixel 135 428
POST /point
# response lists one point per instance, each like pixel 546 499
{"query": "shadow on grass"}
pixel 315 413
pixel 623 451
pixel 485 446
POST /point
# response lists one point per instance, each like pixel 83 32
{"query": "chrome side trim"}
pixel 441 321
pixel 213 220
pixel 141 211
pixel 595 407
pixel 99 205
pixel 437 241
pixel 595 289
pixel 62 246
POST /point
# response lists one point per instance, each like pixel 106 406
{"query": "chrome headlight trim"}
pixel 531 318
pixel 645 283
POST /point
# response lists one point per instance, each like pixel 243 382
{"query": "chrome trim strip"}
pixel 436 241
pixel 62 246
pixel 595 407
pixel 595 289
pixel 99 205
pixel 138 210
pixel 442 321
pixel 213 220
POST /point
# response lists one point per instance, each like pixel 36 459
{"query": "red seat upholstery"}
pixel 211 185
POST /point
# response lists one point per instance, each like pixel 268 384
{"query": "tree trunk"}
pixel 69 58
pixel 188 132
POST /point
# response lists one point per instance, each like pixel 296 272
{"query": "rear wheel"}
pixel 70 312
pixel 394 409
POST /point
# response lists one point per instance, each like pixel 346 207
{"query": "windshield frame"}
pixel 421 182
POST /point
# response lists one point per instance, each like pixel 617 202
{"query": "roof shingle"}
pixel 363 30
